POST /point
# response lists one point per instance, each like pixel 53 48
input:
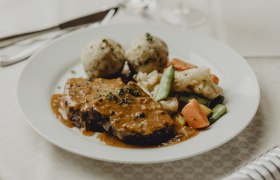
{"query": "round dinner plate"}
pixel 48 70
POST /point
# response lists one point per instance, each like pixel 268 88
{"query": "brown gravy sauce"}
pixel 88 133
pixel 55 106
pixel 183 133
pixel 113 141
pixel 154 117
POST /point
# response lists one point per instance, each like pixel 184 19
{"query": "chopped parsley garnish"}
pixel 141 115
pixel 149 37
pixel 128 90
pixel 112 113
pixel 124 101
pixel 134 93
pixel 121 92
pixel 110 96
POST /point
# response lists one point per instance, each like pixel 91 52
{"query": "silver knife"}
pixel 95 17
pixel 24 54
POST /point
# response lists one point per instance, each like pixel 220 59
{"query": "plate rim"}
pixel 248 67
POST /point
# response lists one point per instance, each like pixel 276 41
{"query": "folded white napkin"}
pixel 266 167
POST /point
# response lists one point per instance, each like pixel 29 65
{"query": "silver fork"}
pixel 33 44
pixel 38 42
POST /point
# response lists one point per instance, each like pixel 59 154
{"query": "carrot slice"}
pixel 215 78
pixel 180 65
pixel 194 115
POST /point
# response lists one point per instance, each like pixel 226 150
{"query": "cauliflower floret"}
pixel 154 91
pixel 170 104
pixel 197 80
pixel 145 89
pixel 148 80
pixel 179 120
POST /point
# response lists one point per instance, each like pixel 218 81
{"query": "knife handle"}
pixel 96 17
pixel 7 41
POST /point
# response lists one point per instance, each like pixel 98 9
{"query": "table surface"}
pixel 250 29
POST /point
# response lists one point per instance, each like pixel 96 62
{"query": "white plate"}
pixel 50 68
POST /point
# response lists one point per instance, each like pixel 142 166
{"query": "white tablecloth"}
pixel 248 26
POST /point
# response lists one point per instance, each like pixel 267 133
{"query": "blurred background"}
pixel 229 21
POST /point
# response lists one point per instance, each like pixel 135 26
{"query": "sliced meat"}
pixel 124 111
pixel 79 96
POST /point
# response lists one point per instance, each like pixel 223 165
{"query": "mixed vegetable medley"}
pixel 189 93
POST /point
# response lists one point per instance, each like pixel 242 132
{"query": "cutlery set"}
pixel 36 39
